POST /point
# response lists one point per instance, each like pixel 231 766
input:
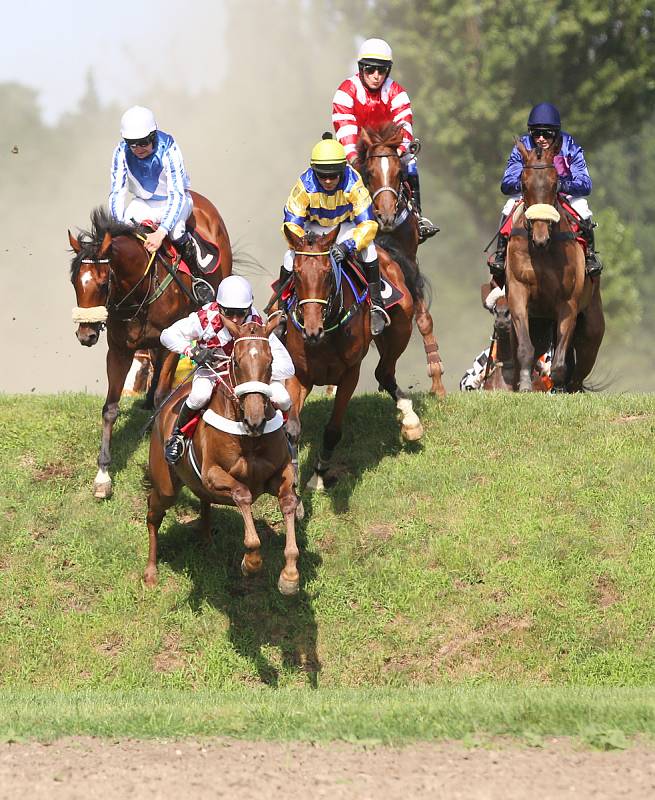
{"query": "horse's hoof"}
pixel 412 433
pixel 316 483
pixel 247 571
pixel 102 491
pixel 288 588
pixel 150 577
pixel 300 511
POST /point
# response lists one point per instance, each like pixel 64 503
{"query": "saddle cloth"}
pixel 208 253
pixel 570 212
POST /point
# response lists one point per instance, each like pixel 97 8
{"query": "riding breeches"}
pixel 139 210
pixel 205 379
pixel 367 255
pixel 578 204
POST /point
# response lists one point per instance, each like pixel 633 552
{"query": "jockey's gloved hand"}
pixel 339 252
pixel 562 166
pixel 201 355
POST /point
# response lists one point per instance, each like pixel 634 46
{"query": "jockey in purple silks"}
pixel 545 130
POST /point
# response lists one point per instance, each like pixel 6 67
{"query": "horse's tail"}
pixel 247 264
pixel 419 286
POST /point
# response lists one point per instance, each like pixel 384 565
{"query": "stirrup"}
pixel 426 229
pixel 202 291
pixel 593 266
pixel 379 319
pixel 174 448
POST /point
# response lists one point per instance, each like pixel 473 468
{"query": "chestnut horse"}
pixel 329 334
pixel 237 452
pixel 380 166
pixel 546 280
pixel 120 286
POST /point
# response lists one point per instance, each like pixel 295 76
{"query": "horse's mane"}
pixel 101 223
pixel 418 285
pixel 378 136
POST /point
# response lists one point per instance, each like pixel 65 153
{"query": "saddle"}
pixel 208 253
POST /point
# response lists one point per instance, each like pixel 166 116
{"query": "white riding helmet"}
pixel 137 123
pixel 375 51
pixel 234 292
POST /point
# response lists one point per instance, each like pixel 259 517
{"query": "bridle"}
pixel 329 310
pixel 542 212
pixel 385 188
pixel 237 391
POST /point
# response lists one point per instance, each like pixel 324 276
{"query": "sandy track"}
pixel 93 769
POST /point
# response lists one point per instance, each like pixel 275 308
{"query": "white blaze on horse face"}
pixel 384 163
pixel 85 279
pixel 253 352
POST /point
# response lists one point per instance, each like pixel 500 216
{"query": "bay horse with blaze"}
pixel 546 279
pixel 121 286
pixel 237 451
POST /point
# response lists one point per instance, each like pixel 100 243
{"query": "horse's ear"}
pixel 271 325
pixel 106 243
pixel 74 243
pixel 523 150
pixel 328 239
pixel 294 240
pixel 232 327
pixel 365 138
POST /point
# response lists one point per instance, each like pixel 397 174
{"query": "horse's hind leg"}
pixel 164 490
pixel 390 346
pixel 587 339
pixel 333 430
pixel 425 325
pixel 289 580
pixel 119 360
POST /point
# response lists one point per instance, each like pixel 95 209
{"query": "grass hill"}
pixel 513 546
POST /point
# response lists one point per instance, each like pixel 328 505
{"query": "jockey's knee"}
pixel 581 207
pixel 287 262
pixel 279 396
pixel 509 205
pixel 201 391
pixel 368 254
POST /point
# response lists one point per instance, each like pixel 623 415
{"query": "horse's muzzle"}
pixel 88 335
pixel 315 337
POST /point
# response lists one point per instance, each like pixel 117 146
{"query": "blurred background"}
pixel 246 89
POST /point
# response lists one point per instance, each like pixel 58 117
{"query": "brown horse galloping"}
pixel 237 452
pixel 380 166
pixel 546 280
pixel 329 334
pixel 117 284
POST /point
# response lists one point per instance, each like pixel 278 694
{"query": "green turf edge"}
pixel 602 718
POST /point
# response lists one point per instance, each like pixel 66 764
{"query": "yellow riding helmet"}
pixel 328 157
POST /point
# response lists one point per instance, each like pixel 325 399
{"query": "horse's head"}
pixel 539 188
pixel 379 164
pixel 502 317
pixel 316 279
pixel 251 364
pixel 90 278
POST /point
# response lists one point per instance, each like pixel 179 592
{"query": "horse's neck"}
pixel 222 403
pixel 129 261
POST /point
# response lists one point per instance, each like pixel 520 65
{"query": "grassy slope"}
pixel 515 545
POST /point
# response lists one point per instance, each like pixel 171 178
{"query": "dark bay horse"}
pixel 328 335
pixel 119 285
pixel 546 280
pixel 237 452
pixel 380 166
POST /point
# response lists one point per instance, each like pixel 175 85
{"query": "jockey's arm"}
pixel 282 367
pixel 174 171
pixel 344 121
pixel 295 210
pixel 511 183
pixel 363 217
pixel 403 117
pixel 178 337
pixel 579 183
pixel 118 190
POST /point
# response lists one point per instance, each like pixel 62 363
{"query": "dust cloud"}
pixel 245 139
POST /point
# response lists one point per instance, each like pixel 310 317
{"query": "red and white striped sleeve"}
pixel 401 108
pixel 343 117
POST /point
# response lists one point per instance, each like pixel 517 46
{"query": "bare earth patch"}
pixel 95 769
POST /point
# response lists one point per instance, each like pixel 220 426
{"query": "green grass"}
pixel 514 545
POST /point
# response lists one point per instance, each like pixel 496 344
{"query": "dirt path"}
pixel 92 769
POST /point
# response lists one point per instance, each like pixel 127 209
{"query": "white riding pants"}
pixel 367 255
pixel 578 204
pixel 140 209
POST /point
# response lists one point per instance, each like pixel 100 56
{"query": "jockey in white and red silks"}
pixel 372 99
pixel 234 300
pixel 545 130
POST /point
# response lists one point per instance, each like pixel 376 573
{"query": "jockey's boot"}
pixel 425 227
pixel 176 442
pixel 593 264
pixel 496 261
pixel 202 290
pixel 379 317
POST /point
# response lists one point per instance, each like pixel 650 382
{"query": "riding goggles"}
pixel 235 312
pixel 371 69
pixel 134 143
pixel 547 133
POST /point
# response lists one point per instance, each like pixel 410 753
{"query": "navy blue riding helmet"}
pixel 544 115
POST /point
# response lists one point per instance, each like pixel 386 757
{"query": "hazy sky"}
pixel 128 45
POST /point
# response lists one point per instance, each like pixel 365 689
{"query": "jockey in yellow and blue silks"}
pixel 332 193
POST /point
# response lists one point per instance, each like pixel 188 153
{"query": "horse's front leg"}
pixel 289 580
pixel 219 481
pixel 119 360
pixel 565 329
pixel 298 393
pixel 521 341
pixel 333 430
pixel 425 325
